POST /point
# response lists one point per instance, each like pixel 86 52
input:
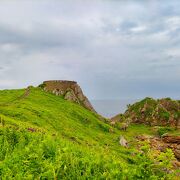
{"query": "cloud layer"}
pixel 114 49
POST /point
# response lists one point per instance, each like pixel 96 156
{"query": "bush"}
pixel 154 166
pixel 166 115
pixel 163 130
pixel 42 86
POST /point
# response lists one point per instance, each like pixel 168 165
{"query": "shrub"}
pixel 163 130
pixel 154 166
pixel 166 115
pixel 118 125
pixel 42 86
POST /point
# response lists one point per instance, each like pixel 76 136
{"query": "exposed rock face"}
pixel 70 90
pixel 161 144
pixel 70 96
pixel 161 112
pixel 171 139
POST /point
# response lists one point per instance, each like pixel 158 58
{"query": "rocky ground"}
pixel 162 116
pixel 161 144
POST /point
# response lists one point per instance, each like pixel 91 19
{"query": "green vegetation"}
pixel 42 136
pixel 161 112
pixel 163 130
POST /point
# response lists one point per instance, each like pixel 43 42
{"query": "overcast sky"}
pixel 113 49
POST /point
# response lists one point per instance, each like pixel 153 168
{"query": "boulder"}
pixel 177 153
pixel 124 126
pixel 171 139
pixel 123 142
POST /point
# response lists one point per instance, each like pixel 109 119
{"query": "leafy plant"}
pixel 164 130
pixel 46 137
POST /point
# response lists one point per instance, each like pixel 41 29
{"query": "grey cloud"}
pixel 114 49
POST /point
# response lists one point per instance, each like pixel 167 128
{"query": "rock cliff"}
pixel 161 112
pixel 70 90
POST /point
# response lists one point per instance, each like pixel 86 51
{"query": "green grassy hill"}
pixel 42 136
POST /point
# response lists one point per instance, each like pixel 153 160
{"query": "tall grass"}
pixel 46 137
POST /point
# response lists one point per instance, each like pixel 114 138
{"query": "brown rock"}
pixel 31 129
pixel 70 96
pixel 124 126
pixel 176 164
pixel 113 123
pixel 162 144
pixel 177 153
pixel 171 139
pixel 70 90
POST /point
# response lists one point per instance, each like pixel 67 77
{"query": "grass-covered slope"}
pixel 42 136
pixel 55 115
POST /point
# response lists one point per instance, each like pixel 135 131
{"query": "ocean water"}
pixel 110 108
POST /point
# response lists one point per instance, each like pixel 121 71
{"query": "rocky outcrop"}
pixel 173 142
pixel 161 144
pixel 70 90
pixel 171 139
pixel 70 96
pixel 161 112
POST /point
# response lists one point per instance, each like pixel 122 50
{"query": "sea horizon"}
pixel 111 107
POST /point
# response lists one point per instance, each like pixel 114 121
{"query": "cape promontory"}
pixel 70 90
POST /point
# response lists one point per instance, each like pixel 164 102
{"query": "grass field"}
pixel 42 136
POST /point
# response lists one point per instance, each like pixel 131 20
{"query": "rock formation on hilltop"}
pixel 70 90
pixel 161 112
